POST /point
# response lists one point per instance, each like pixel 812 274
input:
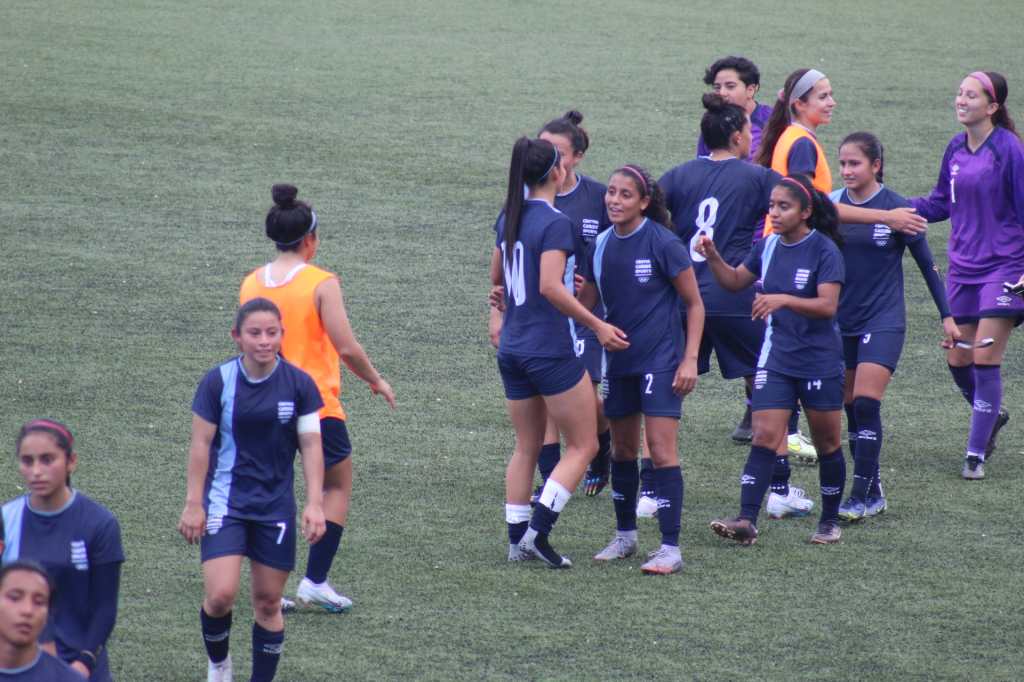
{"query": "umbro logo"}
pixel 747 479
pixel 982 406
pixel 867 434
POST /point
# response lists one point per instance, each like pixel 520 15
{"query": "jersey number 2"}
pixel 707 214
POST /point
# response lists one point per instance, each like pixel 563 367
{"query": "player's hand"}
pixel 383 389
pixel 313 523
pixel 950 333
pixel 766 304
pixel 192 523
pixel 906 220
pixel 81 669
pixel 497 298
pixel 706 248
pixel 611 337
pixel 494 322
pixel 577 283
pixel 685 379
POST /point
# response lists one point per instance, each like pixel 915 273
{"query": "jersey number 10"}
pixel 515 279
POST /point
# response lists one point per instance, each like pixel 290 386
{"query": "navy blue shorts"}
pixel 267 542
pixel 590 352
pixel 334 435
pixel 736 342
pixel 774 391
pixel 650 394
pixel 525 377
pixel 881 348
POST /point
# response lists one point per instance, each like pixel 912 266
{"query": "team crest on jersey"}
pixel 760 378
pixel 801 277
pixel 642 270
pixel 79 556
pixel 1003 301
pixel 590 229
pixel 285 411
pixel 881 235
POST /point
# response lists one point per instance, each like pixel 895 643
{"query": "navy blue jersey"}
pixel 634 277
pixel 45 668
pixel 532 326
pixel 724 200
pixel 796 345
pixel 70 543
pixel 252 456
pixel 584 206
pixel 872 296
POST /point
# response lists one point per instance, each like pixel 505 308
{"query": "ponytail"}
pixel 532 163
pixel 1002 116
pixel 824 218
pixel 781 117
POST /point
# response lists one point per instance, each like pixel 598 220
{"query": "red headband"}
pixel 50 424
pixel 986 83
pixel 639 176
pixel 794 181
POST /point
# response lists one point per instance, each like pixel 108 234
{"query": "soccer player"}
pixel 872 317
pixel 76 540
pixel 723 197
pixel 318 334
pixel 981 191
pixel 26 597
pixel 737 80
pixel 249 416
pixel 641 271
pixel 801 272
pixel 538 365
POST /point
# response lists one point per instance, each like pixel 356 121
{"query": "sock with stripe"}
pixel 988 395
pixel 869 446
pixel 266 653
pixel 757 476
pixel 668 487
pixel 216 634
pixel 832 477
pixel 780 476
pixel 646 477
pixel 517 517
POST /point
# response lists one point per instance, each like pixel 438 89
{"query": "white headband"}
pixel 804 85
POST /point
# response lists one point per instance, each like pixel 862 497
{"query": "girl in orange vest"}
pixel 317 337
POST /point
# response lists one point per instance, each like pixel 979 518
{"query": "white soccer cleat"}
pixel 801 447
pixel 795 504
pixel 219 672
pixel 663 561
pixel 517 553
pixel 322 595
pixel 620 547
pixel 646 507
pixel 287 605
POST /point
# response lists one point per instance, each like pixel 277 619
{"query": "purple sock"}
pixel 780 476
pixel 964 379
pixel 757 476
pixel 988 395
pixel 625 483
pixel 832 477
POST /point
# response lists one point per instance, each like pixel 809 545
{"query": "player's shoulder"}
pixel 888 198
pixel 591 185
pixel 93 514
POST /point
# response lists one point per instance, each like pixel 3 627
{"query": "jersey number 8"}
pixel 707 214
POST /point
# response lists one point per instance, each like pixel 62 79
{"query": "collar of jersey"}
pixel 540 201
pixel 269 282
pixel 808 236
pixel 25 668
pixel 861 203
pixel 55 512
pixel 579 181
pixel 241 368
pixel 809 131
pixel 633 233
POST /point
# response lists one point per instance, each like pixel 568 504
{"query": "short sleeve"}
pixel 308 399
pixel 106 547
pixel 206 402
pixel 803 157
pixel 558 236
pixel 672 256
pixel 753 260
pixel 831 267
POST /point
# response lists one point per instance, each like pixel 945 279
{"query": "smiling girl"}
pixel 981 191
pixel 872 316
pixel 801 273
pixel 250 415
pixel 75 539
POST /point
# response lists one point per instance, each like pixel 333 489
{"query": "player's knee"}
pixel 266 605
pixel 218 602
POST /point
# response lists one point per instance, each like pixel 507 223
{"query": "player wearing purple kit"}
pixel 737 80
pixel 641 270
pixel 981 191
pixel 75 539
pixel 538 364
pixel 872 316
pixel 801 273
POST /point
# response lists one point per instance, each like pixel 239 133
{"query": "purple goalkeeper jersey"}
pixel 758 119
pixel 982 195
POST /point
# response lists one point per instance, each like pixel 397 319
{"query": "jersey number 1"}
pixel 707 214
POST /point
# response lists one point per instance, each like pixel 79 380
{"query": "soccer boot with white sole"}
pixel 219 672
pixel 801 448
pixel 517 553
pixel 537 544
pixel 663 561
pixel 322 595
pixel 621 547
pixel 795 504
pixel 974 469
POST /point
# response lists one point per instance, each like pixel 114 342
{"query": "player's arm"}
pixel 104 585
pixel 331 306
pixel 904 219
pixel 552 287
pixel 824 305
pixel 192 524
pixel 732 279
pixel 685 284
pixel 311 449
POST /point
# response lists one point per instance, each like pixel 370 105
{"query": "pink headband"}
pixel 639 176
pixel 48 424
pixel 986 83
pixel 794 181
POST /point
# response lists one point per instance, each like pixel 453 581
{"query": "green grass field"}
pixel 139 142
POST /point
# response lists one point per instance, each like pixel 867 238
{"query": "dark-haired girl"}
pixel 981 191
pixel 801 272
pixel 641 271
pixel 319 339
pixel 249 416
pixel 872 316
pixel 76 540
pixel 737 80
pixel 722 197
pixel 538 364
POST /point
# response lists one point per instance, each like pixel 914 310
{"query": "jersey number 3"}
pixel 707 214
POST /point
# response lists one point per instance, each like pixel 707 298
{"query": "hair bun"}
pixel 573 117
pixel 284 195
pixel 712 101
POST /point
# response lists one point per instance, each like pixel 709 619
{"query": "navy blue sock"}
pixel 216 633
pixel 646 477
pixel 869 446
pixel 668 487
pixel 757 475
pixel 832 477
pixel 604 448
pixel 266 652
pixel 625 482
pixel 964 379
pixel 780 476
pixel 548 459
pixel 851 429
pixel 543 519
pixel 321 554
pixel 794 421
pixel 516 531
